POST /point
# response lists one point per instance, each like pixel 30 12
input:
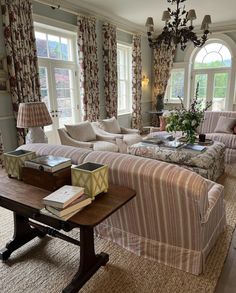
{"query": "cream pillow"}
pixel 82 131
pixel 111 125
pixel 225 124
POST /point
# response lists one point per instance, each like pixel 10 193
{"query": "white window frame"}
pixel 168 98
pixel 190 57
pixel 210 74
pixel 51 64
pixel 127 48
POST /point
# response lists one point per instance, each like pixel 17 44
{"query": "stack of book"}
pixel 65 202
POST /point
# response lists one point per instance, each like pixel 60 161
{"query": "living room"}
pixel 147 87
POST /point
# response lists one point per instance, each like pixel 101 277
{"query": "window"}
pixel 56 52
pixel 175 85
pixel 211 70
pixel 124 65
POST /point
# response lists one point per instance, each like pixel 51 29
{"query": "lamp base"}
pixel 36 135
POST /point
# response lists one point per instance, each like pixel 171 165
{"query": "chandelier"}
pixel 178 27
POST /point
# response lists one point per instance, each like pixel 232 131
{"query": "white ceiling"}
pixel 135 12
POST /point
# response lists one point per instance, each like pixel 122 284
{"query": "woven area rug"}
pixel 47 265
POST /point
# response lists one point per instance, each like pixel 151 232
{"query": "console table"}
pixel 26 202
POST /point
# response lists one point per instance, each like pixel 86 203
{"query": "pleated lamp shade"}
pixel 33 115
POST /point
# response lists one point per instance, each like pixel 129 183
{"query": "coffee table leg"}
pixel 23 233
pixel 89 261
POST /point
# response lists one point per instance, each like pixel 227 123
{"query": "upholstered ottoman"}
pixel 209 164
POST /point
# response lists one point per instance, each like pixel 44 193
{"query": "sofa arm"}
pixel 67 140
pixel 214 196
pixel 129 131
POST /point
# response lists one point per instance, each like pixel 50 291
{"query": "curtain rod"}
pixel 51 4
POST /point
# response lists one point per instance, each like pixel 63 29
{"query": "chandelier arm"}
pixel 176 30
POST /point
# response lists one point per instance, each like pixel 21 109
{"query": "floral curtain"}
pixel 110 69
pixel 163 61
pixel 136 121
pixel 21 54
pixel 89 82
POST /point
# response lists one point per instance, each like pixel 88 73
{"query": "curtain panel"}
pixel 136 121
pixel 89 83
pixel 21 54
pixel 110 69
pixel 163 61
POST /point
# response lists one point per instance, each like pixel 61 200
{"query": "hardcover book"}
pixel 48 163
pixel 44 211
pixel 195 147
pixel 76 205
pixel 63 196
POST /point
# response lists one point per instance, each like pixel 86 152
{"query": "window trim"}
pixel 128 109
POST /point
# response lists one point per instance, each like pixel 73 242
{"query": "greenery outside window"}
pixel 175 86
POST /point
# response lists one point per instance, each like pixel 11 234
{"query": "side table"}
pixel 26 201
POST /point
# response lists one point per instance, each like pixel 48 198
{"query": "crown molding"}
pixel 84 9
pixel 124 24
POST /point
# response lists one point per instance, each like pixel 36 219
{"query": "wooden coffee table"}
pixel 26 202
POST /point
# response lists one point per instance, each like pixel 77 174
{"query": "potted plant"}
pixel 188 120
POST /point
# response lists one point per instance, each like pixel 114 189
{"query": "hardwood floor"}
pixel 227 281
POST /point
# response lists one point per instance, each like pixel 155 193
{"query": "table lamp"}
pixel 34 116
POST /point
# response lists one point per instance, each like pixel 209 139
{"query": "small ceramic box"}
pixel 92 176
pixel 14 161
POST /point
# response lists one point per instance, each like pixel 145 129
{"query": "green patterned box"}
pixel 92 176
pixel 14 161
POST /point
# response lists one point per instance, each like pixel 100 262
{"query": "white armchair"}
pixel 82 135
pixel 110 130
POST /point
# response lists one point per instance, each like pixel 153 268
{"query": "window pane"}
pixel 124 78
pixel 41 44
pixel 177 84
pixel 65 49
pixel 62 77
pixel 201 80
pixel 64 90
pixel 54 47
pixel 213 56
pixel 220 91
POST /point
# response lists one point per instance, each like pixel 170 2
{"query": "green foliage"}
pixel 187 120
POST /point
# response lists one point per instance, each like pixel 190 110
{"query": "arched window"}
pixel 211 70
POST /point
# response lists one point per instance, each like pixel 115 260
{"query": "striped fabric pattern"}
pixel 208 127
pixel 211 118
pixel 77 155
pixel 176 216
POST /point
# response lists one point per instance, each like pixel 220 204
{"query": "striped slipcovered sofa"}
pixel 208 126
pixel 176 216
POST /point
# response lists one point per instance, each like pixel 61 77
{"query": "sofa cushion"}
pixel 225 125
pixel 111 125
pixel 82 131
pixel 229 140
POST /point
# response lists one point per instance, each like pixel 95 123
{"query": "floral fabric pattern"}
pixel 163 61
pixel 209 164
pixel 89 84
pixel 21 53
pixel 110 69
pixel 136 121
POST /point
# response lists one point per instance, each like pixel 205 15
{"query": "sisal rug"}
pixel 47 265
